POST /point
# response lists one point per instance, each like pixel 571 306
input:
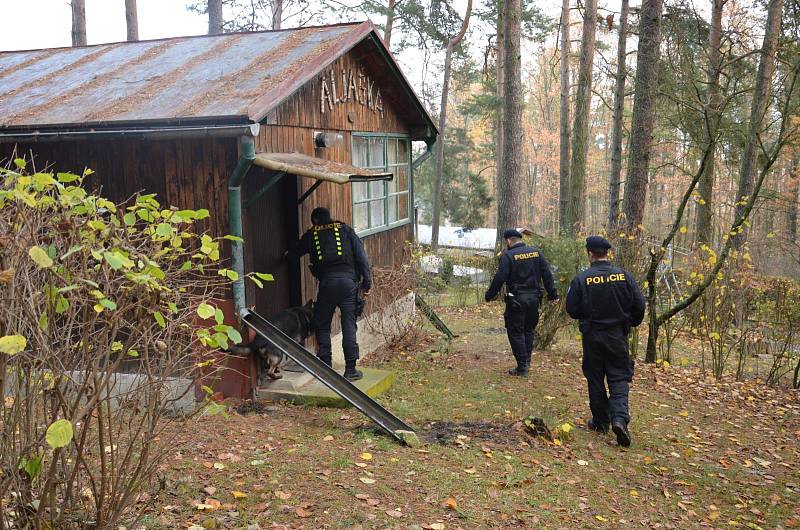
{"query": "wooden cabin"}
pixel 277 121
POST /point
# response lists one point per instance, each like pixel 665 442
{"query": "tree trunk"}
pixel 794 196
pixel 437 186
pixel 564 134
pixel 501 81
pixel 616 120
pixel 132 20
pixel 766 66
pixel 644 113
pixel 79 22
pixel 277 14
pixel 508 205
pixel 580 127
pixel 214 17
pixel 703 229
pixel 387 30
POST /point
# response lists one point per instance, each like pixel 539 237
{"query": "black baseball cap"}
pixel 511 232
pixel 597 243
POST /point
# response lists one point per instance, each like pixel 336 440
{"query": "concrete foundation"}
pixel 388 321
pixel 307 390
pixel 300 387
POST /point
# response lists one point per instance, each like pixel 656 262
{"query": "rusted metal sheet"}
pixel 186 78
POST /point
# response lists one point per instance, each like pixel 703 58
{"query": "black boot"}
pixel 521 370
pixel 350 372
pixel 327 360
pixel 597 427
pixel 623 435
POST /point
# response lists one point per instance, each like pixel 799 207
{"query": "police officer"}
pixel 339 262
pixel 523 269
pixel 608 303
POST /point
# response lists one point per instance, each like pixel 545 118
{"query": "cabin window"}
pixel 381 205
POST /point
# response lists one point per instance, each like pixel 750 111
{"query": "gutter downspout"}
pixel 247 154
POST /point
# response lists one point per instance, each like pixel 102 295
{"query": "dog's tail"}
pixel 243 350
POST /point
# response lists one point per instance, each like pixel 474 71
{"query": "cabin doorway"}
pixel 270 227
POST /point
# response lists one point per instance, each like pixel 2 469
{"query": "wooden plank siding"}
pixel 182 173
pixel 291 128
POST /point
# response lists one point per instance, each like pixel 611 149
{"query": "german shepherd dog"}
pixel 296 322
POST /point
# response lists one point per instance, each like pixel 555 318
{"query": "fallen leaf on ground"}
pixel 283 495
pixel 365 456
pixel 394 513
pixel 451 503
pixel 302 512
pixel 239 494
pixel 367 480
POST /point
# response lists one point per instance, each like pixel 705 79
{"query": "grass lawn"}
pixel 704 454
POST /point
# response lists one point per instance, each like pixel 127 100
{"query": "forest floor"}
pixel 705 453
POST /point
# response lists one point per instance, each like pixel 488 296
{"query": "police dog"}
pixel 296 322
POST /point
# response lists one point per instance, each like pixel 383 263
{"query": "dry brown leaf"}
pixel 302 512
pixel 394 513
pixel 283 495
pixel 6 275
pixel 451 503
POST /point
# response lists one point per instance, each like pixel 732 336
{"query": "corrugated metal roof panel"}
pixel 180 78
pixel 237 77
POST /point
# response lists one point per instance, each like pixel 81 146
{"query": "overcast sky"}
pixel 28 24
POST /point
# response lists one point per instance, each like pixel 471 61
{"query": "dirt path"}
pixel 705 454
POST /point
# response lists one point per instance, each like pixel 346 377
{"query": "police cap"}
pixel 597 243
pixel 511 232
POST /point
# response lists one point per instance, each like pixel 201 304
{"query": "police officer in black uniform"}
pixel 608 303
pixel 339 262
pixel 523 269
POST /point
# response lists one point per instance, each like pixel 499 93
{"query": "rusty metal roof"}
pixel 230 77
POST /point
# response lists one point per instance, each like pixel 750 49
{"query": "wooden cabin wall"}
pixel 291 128
pixel 188 174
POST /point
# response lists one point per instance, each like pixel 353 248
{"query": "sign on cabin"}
pixel 339 86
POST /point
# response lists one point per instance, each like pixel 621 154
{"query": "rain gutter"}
pixel 153 133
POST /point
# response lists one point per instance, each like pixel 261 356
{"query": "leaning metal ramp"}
pixel 326 375
pixel 433 317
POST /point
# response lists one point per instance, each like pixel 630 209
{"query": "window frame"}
pixel 407 219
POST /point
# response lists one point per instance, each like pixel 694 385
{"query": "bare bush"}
pixel 102 329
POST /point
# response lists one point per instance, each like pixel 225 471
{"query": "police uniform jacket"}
pixel 605 296
pixel 335 250
pixel 524 270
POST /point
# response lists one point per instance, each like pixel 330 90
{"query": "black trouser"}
pixel 521 318
pixel 341 292
pixel 606 358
